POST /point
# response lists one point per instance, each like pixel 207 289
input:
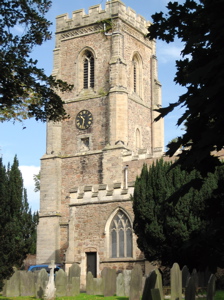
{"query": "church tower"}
pixel 93 157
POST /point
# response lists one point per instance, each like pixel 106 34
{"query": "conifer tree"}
pixel 174 221
pixel 17 224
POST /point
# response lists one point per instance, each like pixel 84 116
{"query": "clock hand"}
pixel 83 120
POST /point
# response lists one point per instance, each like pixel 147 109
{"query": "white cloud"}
pixel 168 52
pixel 28 182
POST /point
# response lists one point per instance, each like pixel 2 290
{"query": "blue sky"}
pixel 29 144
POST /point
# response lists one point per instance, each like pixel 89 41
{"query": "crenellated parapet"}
pixel 100 193
pixel 113 9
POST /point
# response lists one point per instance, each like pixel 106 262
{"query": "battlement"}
pixel 113 9
pixel 100 193
pixel 141 154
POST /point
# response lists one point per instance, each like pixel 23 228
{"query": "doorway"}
pixel 91 263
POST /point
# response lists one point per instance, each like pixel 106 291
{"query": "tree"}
pixel 175 223
pixel 36 178
pixel 17 225
pixel 199 25
pixel 25 90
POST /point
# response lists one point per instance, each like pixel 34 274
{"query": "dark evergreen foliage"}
pixel 175 226
pixel 17 223
pixel 199 25
pixel 25 90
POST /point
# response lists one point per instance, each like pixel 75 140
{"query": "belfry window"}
pixel 136 75
pixel 120 236
pixel 88 70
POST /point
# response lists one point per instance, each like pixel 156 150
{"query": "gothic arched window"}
pixel 88 70
pixel 137 74
pixel 121 236
pixel 137 139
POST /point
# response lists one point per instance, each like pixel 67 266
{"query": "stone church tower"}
pixel 93 157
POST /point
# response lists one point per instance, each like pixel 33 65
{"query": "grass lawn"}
pixel 219 296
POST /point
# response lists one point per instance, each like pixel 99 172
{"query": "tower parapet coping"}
pixel 100 193
pixel 113 8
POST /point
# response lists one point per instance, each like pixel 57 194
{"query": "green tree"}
pixel 36 178
pixel 199 25
pixel 25 90
pixel 17 225
pixel 178 223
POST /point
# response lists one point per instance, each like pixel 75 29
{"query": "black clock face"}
pixel 84 119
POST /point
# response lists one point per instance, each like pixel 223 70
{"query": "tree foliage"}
pixel 17 223
pixel 25 90
pixel 36 178
pixel 199 25
pixel 178 223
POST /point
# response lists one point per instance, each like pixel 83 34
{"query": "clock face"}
pixel 84 119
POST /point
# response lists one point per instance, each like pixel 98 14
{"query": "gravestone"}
pixel 49 293
pixel 150 284
pixel 61 281
pixel 156 295
pixel 120 292
pixel 176 282
pixel 185 276
pixel 136 283
pixel 27 283
pixel 73 287
pixel 211 288
pixel 190 290
pixel 127 279
pixel 194 274
pixel 74 271
pixel 98 286
pixel 159 283
pixel 89 284
pixel 109 282
pixel 12 286
pixel 42 280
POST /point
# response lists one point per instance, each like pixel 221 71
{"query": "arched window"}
pixel 137 139
pixel 134 75
pixel 121 236
pixel 88 70
pixel 137 74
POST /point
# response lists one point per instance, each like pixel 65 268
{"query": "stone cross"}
pixel 50 289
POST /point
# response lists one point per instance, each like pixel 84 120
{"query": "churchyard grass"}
pixel 218 296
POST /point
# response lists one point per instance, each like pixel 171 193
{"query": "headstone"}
pixel 109 282
pixel 73 287
pixel 89 284
pixel 156 295
pixel 98 286
pixel 50 290
pixel 176 282
pixel 127 279
pixel 159 283
pixel 185 276
pixel 120 292
pixel 42 280
pixel 61 281
pixel 74 271
pixel 190 290
pixel 194 274
pixel 27 283
pixel 136 283
pixel 211 288
pixel 12 286
pixel 150 284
